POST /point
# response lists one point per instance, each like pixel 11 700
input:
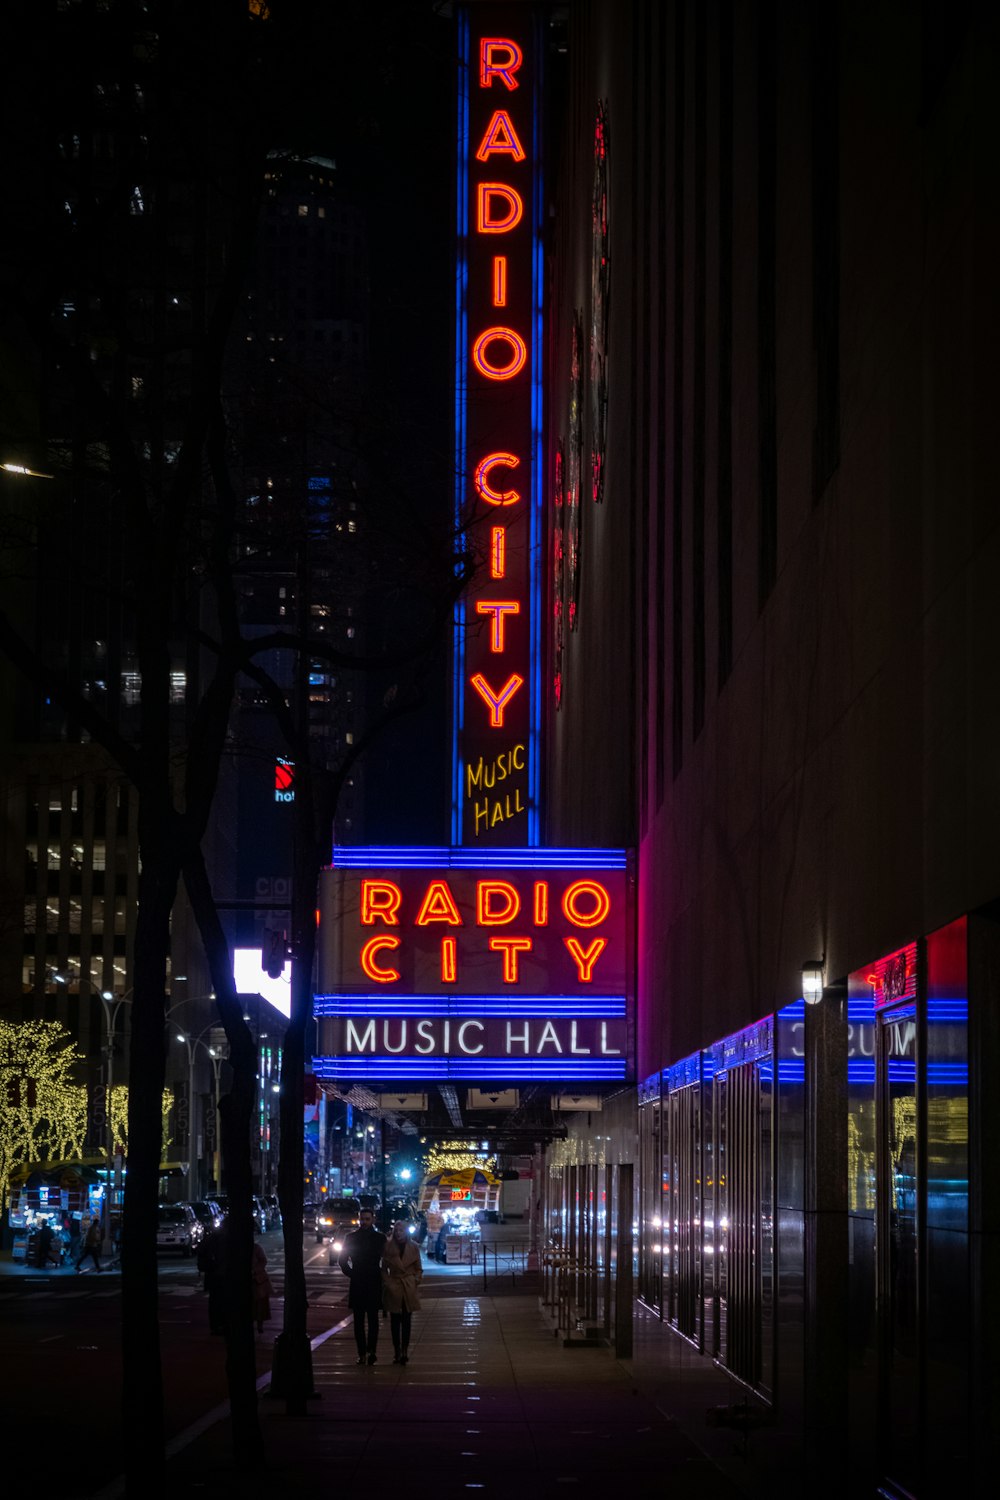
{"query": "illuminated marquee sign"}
pixel 498 430
pixel 456 963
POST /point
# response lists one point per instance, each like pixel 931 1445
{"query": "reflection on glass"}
pixel 899 1254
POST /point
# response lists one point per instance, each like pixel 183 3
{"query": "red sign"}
pixel 481 931
pixel 444 963
pixel 497 385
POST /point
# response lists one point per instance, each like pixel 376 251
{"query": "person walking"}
pixel 44 1246
pixel 212 1265
pixel 402 1268
pixel 361 1260
pixel 91 1245
pixel 262 1288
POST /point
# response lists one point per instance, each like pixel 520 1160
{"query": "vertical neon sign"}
pixel 497 681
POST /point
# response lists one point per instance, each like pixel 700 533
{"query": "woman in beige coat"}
pixel 402 1269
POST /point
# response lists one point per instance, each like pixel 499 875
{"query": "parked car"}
pixel 208 1214
pixel 335 1219
pixel 222 1199
pixel 178 1228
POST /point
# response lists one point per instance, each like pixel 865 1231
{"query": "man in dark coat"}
pixel 361 1260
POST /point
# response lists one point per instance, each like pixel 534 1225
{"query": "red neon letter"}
pixel 438 906
pixel 541 903
pixel 380 898
pixel 481 480
pixel 487 913
pixel 585 958
pixel 602 903
pixel 497 702
pixel 499 281
pixel 498 608
pixel 375 945
pixel 485 222
pixel 449 960
pixel 499 57
pixel 498 552
pixel 500 139
pixel 519 354
pixel 510 948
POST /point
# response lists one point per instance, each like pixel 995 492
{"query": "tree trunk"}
pixel 236 1117
pixel 293 1363
pixel 142 1384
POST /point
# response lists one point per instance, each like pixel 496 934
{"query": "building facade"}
pixel 771 319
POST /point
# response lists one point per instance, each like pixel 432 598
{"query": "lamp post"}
pixel 111 1007
pixel 192 1043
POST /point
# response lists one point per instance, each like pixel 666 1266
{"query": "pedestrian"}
pixel 44 1248
pixel 402 1268
pixel 91 1245
pixel 361 1260
pixel 212 1265
pixel 262 1288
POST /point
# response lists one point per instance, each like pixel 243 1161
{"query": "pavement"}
pixel 491 1402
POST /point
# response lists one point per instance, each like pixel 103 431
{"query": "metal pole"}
pixel 109 1131
pixel 190 1047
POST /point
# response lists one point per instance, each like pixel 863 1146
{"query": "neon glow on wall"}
pixel 497 683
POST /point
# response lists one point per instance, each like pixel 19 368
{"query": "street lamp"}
pixel 111 1007
pixel 192 1043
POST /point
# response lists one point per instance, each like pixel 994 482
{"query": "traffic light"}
pixel 273 953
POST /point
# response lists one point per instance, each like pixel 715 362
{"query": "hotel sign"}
pixel 498 430
pixel 496 966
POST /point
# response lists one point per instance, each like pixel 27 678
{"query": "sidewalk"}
pixel 490 1404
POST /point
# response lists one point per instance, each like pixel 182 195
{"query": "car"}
pixel 309 1214
pixel 397 1208
pixel 178 1228
pixel 258 1214
pixel 222 1199
pixel 208 1214
pixel 272 1210
pixel 335 1218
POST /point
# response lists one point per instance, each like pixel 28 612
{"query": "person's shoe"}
pixel 360 1360
pixel 397 1358
pixel 372 1359
pixel 404 1359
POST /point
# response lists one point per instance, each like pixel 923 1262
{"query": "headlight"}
pixel 338 1244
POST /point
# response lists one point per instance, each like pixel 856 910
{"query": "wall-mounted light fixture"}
pixel 812 981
